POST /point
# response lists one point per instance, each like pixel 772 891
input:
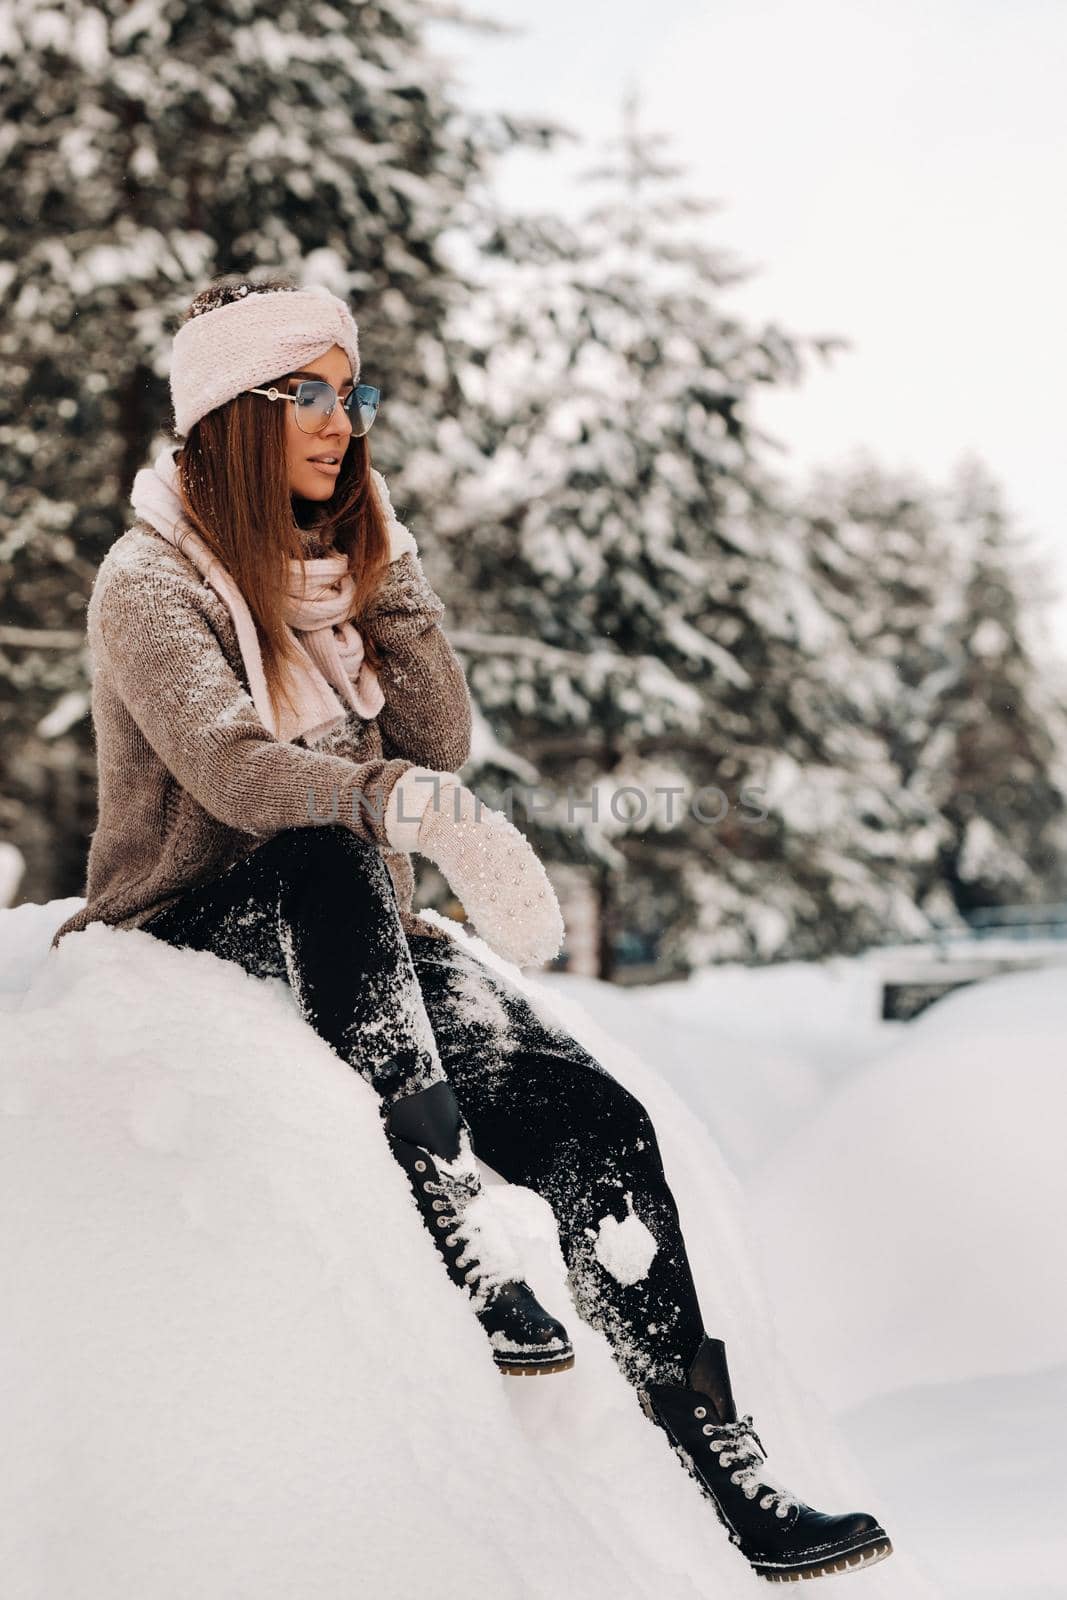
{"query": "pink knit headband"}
pixel 221 353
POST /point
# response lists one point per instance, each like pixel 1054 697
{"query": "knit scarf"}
pixel 316 609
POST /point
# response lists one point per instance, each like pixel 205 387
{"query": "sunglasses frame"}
pixel 274 393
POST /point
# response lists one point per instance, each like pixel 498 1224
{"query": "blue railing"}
pixel 1021 923
pixel 1024 924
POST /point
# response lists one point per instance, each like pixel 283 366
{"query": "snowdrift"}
pixel 753 1050
pixel 231 1363
pixel 936 1182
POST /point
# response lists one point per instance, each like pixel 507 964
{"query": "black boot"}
pixel 428 1138
pixel 781 1537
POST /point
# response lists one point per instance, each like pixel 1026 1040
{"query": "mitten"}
pixel 485 859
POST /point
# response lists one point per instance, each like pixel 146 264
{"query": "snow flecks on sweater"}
pixel 168 676
pixel 239 710
pixel 337 740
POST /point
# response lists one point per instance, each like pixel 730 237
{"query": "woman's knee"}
pixel 603 1106
pixel 325 852
pixel 625 1111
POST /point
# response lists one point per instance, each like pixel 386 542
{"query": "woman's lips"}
pixel 324 466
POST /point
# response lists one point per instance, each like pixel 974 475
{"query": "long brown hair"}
pixel 234 489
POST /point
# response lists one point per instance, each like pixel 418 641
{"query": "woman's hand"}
pixel 489 864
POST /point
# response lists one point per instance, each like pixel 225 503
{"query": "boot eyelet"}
pixel 440 1205
pixel 420 1166
pixel 701 1411
pixel 707 1428
pixel 452 1241
pixel 444 1222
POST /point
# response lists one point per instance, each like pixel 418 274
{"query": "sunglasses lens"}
pixel 314 404
pixel 316 399
pixel 362 407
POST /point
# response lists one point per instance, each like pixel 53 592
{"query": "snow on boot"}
pixel 783 1539
pixel 427 1136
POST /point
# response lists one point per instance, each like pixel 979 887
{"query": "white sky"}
pixel 894 172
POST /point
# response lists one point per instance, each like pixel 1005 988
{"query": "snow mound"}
pixel 935 1183
pixel 751 1050
pixel 233 1365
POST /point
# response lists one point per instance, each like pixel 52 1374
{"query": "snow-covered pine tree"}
pixel 1004 802
pixel 880 560
pixel 632 615
pixel 941 698
pixel 148 147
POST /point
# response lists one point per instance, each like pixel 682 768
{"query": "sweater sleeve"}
pixel 427 713
pixel 169 669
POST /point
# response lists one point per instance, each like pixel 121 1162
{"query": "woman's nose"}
pixel 338 423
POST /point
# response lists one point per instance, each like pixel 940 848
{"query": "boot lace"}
pixel 740 1443
pixel 487 1254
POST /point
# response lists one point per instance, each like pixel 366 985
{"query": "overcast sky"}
pixel 895 171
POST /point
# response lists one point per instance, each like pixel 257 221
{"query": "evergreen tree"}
pixel 649 629
pixel 1005 807
pixel 880 556
pixel 930 590
pixel 150 147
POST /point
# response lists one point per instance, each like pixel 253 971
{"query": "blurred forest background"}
pixel 645 612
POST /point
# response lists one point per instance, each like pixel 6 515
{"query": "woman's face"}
pixel 310 476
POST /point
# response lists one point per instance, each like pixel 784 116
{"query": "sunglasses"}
pixel 315 400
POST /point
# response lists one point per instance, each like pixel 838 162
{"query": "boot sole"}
pixel 851 1561
pixel 528 1369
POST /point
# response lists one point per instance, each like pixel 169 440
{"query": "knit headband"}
pixel 219 354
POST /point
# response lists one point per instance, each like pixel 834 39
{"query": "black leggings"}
pixel 316 906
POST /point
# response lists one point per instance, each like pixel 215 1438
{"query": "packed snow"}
pixel 940 1168
pixel 906 1188
pixel 232 1362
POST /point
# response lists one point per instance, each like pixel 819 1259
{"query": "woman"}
pixel 266 769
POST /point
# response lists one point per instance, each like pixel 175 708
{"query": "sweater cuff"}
pixel 413 792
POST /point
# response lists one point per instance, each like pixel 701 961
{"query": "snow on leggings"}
pixel 316 906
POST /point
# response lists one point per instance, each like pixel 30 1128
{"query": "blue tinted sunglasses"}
pixel 315 400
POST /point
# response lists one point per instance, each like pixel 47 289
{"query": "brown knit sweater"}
pixel 189 779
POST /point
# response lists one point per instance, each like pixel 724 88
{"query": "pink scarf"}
pixel 317 608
